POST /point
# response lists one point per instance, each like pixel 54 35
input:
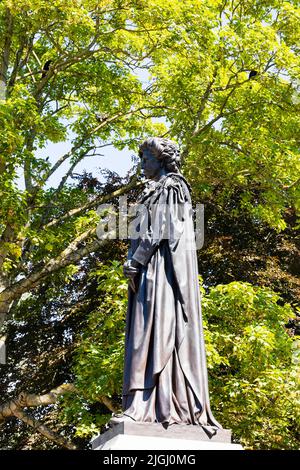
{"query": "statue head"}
pixel 164 150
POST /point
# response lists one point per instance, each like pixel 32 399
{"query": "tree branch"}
pixel 72 254
pixel 68 173
pixel 234 147
pixel 7 237
pixel 18 62
pixel 203 102
pixel 77 146
pixel 8 35
pixel 219 116
pixel 108 403
pixel 24 400
pixel 63 65
pixel 96 201
pixel 42 429
pixel 27 164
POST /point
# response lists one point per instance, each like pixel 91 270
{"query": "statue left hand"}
pixel 131 269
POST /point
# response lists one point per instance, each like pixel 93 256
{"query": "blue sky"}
pixel 114 160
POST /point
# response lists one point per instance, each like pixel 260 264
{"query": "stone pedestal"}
pixel 154 436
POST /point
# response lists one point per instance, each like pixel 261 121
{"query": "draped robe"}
pixel 165 373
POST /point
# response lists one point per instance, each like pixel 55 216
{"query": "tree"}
pixel 74 66
pixel 252 363
pixel 238 134
pixel 88 87
pixel 41 341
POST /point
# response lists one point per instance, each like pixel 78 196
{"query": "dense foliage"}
pixel 220 77
pixel 253 367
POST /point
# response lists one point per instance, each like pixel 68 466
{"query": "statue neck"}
pixel 162 173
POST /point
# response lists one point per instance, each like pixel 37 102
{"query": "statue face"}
pixel 151 166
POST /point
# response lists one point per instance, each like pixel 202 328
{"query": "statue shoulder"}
pixel 178 182
pixel 155 191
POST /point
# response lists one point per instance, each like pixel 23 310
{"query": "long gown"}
pixel 165 373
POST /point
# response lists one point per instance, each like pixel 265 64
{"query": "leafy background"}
pixel 222 79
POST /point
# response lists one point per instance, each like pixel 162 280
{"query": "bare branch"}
pixel 92 204
pixel 28 400
pixel 292 185
pixel 27 163
pixel 42 429
pixel 24 400
pixel 67 155
pixel 234 147
pixel 18 62
pixel 234 85
pixel 69 172
pixel 217 118
pixel 93 131
pixel 203 101
pixel 72 254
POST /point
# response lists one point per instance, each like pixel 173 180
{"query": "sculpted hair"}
pixel 164 150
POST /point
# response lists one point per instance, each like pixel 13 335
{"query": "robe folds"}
pixel 165 373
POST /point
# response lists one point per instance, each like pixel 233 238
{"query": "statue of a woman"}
pixel 165 374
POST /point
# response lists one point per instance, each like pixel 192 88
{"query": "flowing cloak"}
pixel 165 373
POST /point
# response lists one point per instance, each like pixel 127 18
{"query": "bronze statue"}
pixel 165 373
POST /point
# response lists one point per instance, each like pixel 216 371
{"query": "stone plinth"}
pixel 154 436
